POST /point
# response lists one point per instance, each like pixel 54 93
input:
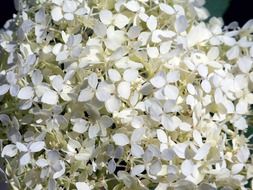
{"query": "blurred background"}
pixel 230 10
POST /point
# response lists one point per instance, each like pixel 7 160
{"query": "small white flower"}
pixel 120 139
pixel 82 186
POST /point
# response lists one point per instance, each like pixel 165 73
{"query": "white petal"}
pixel 57 83
pixel 9 150
pixel 25 159
pixel 21 147
pixel 136 150
pixel 105 121
pixel 31 59
pixel 69 75
pixel 242 107
pixel 179 149
pixel 57 2
pixel 111 166
pixel 25 105
pixel 61 171
pixel 37 77
pixel 185 126
pixel 65 36
pixel 86 95
pixel 57 48
pixel 167 123
pixel 100 29
pixel 203 70
pixel 158 81
pixel 144 37
pixel 251 51
pixel 42 163
pixel 53 156
pixel 173 76
pixel 4 89
pixel 93 131
pixel 237 168
pixel 120 139
pixel 168 154
pixel 152 23
pixel 72 145
pixel 11 77
pixel 181 24
pixel 155 167
pixel 37 146
pixel 82 186
pixel 171 92
pixel 113 104
pixel 114 75
pixel 137 135
pixel 240 82
pixel 82 11
pixel 190 100
pixel 115 38
pixel 130 75
pixel 80 126
pixel 187 167
pixel 161 135
pixel 137 122
pixel 14 89
pixel 5 119
pixel 233 53
pixel 229 105
pixel 50 97
pixel 245 64
pixel 133 32
pixel 69 16
pixel 194 36
pixel 133 5
pixel 241 124
pixel 167 8
pixel 165 47
pixel 206 86
pixel 106 17
pixel 197 137
pixel 202 152
pixel 124 89
pixel 213 53
pixel 56 14
pixel 218 96
pixel 104 91
pixel 138 169
pixel 93 80
pixel 243 154
pixel 134 98
pixel 62 56
pixel 120 21
pixel 26 93
pixel 69 6
pixel 153 52
pixel 172 170
pixel 191 89
pixel 228 40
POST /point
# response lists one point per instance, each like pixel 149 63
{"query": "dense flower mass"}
pixel 125 94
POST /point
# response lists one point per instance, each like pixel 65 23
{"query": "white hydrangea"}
pixel 125 94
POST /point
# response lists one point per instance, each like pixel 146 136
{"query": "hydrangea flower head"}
pixel 125 94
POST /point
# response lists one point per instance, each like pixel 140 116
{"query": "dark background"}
pixel 6 11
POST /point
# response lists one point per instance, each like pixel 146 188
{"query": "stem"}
pixel 8 110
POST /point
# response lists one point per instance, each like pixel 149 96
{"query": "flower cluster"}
pixel 125 94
